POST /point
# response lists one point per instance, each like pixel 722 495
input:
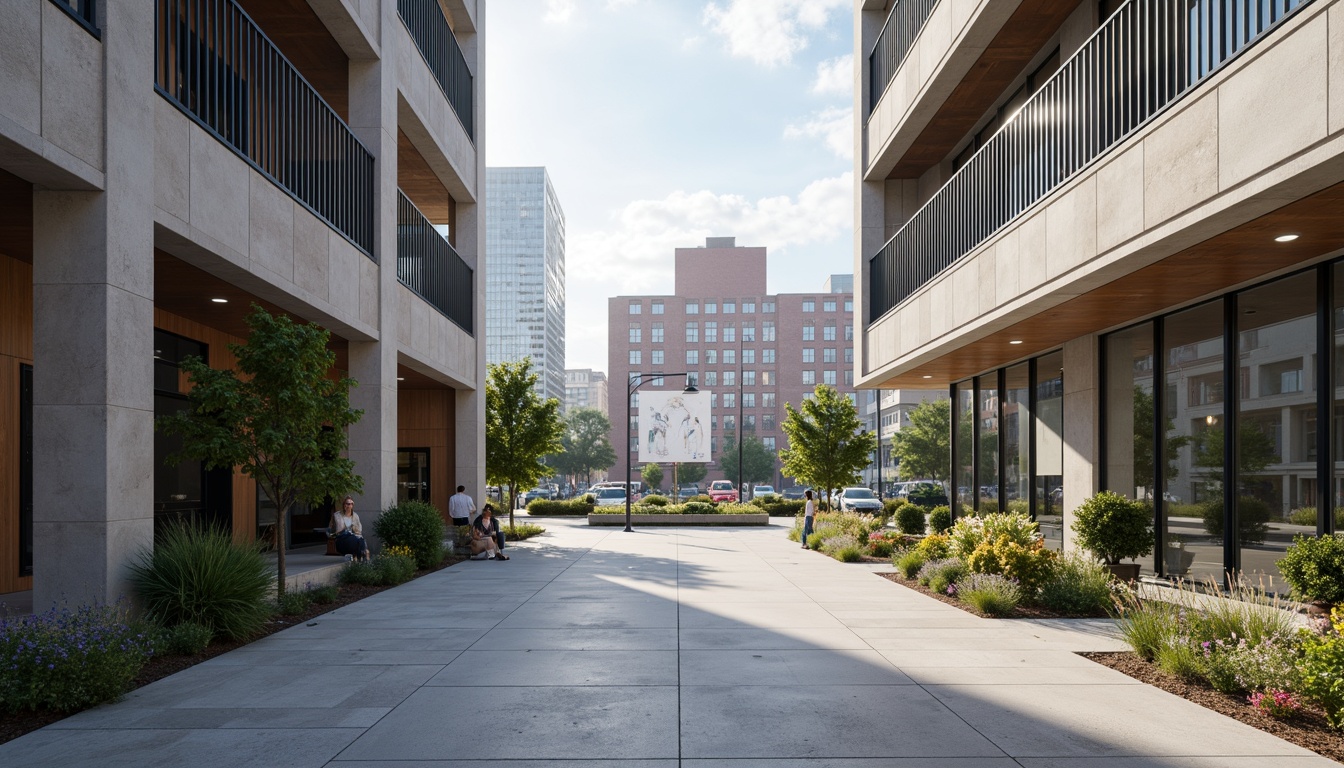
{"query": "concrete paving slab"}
pixel 779 639
pixel 840 762
pixel 506 764
pixel 602 639
pixel 592 615
pixel 1170 761
pixel 787 668
pixel 538 668
pixel 199 748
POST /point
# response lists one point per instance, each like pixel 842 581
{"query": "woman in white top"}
pixel 348 532
pixel 809 512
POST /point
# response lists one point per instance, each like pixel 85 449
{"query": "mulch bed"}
pixel 15 724
pixel 1308 729
pixel 1021 612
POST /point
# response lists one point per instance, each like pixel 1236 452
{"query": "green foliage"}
pixel 923 446
pixel 585 444
pixel 1176 656
pixel 1147 625
pixel 188 639
pixel 940 519
pixel 937 575
pixel 651 474
pixel 1322 671
pixel 910 519
pixel 779 507
pixel 293 603
pixel 1255 448
pixel 699 506
pixel 990 593
pixel 689 474
pixel 814 541
pixel 198 574
pixel 522 532
pixel 1253 517
pixel 1077 585
pixel 909 563
pixel 520 428
pixel 827 445
pixel 279 417
pixel 1143 438
pixel 1237 666
pixel 891 506
pixel 384 570
pixel 66 660
pixel 1307 516
pixel 362 572
pixel 1114 528
pixel 928 495
pixel 1314 566
pixel 414 524
pixel 545 508
pixel 758 462
pixel 935 547
pixel 882 548
pixel 970 532
pixel 844 547
pixel 1029 565
pixel 325 594
pixel 655 500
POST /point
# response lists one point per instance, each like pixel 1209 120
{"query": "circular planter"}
pixel 1124 571
pixel 1319 608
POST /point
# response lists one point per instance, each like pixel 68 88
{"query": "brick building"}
pixel 752 350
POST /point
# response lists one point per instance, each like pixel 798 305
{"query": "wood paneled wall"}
pixel 426 418
pixel 16 348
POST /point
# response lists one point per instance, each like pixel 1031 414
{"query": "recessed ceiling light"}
pixel 220 301
pixel 1285 238
pixel 927 376
pixel 401 378
pixel 1015 341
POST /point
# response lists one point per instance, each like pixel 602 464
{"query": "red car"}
pixel 722 490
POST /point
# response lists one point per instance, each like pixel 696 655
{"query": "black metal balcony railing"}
pixel 1145 58
pixel 898 34
pixel 216 65
pixel 83 11
pixel 424 20
pixel 428 265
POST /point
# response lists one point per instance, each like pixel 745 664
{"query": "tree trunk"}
pixel 513 501
pixel 281 515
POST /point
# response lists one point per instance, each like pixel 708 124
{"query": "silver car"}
pixel 859 499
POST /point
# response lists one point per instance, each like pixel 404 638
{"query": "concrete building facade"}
pixel 752 350
pixel 163 166
pixel 586 388
pixel 525 286
pixel 1112 231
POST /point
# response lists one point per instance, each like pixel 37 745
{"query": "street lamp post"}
pixel 741 427
pixel 636 381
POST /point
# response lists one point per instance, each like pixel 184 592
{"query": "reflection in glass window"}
pixel 987 424
pixel 1048 442
pixel 1017 429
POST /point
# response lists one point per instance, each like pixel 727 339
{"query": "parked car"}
pixel 758 491
pixel 611 497
pixel 795 492
pixel 685 492
pixel 859 499
pixel 722 490
pixel 540 492
pixel 926 494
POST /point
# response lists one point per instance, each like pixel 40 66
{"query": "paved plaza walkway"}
pixel 714 648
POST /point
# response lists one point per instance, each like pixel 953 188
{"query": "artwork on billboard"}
pixel 673 427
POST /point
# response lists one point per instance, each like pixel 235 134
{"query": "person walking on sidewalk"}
pixel 461 507
pixel 809 512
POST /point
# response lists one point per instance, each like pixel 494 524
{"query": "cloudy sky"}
pixel 662 122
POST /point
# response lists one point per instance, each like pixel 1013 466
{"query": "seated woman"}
pixel 348 532
pixel 486 538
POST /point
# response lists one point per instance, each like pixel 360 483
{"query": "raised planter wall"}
pixel 753 519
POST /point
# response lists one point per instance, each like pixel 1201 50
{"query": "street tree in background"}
pixel 758 462
pixel 280 418
pixel 924 448
pixel 520 428
pixel 652 474
pixel 827 447
pixel 586 444
pixel 690 473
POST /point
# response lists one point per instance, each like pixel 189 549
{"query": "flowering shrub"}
pixel 990 593
pixel 1322 672
pixel 934 547
pixel 970 532
pixel 1277 704
pixel 66 660
pixel 938 574
pixel 844 547
pixel 1235 665
pixel 400 550
pixel 881 547
pixel 1028 564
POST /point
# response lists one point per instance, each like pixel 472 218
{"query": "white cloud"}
pixel 835 76
pixel 559 11
pixel 834 126
pixel 613 5
pixel 769 32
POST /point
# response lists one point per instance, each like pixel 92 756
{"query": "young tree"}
pixel 280 418
pixel 827 448
pixel 520 428
pixel 652 474
pixel 586 444
pixel 924 448
pixel 691 473
pixel 758 462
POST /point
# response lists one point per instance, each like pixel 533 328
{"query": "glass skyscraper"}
pixel 525 274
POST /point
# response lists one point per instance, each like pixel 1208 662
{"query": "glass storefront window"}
pixel 1276 418
pixel 1130 415
pixel 1048 442
pixel 964 477
pixel 987 422
pixel 1017 439
pixel 1192 450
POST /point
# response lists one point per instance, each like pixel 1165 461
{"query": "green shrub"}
pixel 414 524
pixel 934 547
pixel 655 500
pixel 1147 625
pixel 891 506
pixel 814 541
pixel 394 569
pixel 909 563
pixel 1314 566
pixel 362 572
pixel 198 574
pixel 522 532
pixel 1029 565
pixel 1114 528
pixel 849 553
pixel 940 519
pixel 780 507
pixel 882 548
pixel 325 594
pixel 697 507
pixel 910 519
pixel 970 532
pixel 1322 671
pixel 1077 585
pixel 843 543
pixel 938 574
pixel 1303 516
pixel 293 602
pixel 1177 656
pixel 928 495
pixel 990 593
pixel 1252 519
pixel 65 660
pixel 573 507
pixel 188 639
pixel 701 498
pixel 1237 666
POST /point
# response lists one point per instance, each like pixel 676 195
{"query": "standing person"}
pixel 461 507
pixel 809 512
pixel 486 536
pixel 348 531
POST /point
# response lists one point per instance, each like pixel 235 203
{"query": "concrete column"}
pixel 470 404
pixel 93 320
pixel 373 117
pixel 1082 398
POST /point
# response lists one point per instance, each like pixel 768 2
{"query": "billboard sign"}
pixel 673 427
